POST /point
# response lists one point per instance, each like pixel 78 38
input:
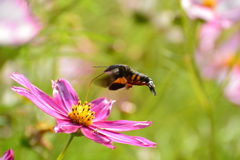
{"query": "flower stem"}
pixel 206 102
pixel 66 147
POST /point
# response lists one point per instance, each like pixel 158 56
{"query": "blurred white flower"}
pixel 128 107
pixel 144 6
pixel 17 25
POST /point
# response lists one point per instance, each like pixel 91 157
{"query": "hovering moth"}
pixel 121 75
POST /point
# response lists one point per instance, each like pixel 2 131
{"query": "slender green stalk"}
pixel 212 144
pixel 198 88
pixel 66 147
pixel 207 103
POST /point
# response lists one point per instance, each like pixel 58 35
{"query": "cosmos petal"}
pixel 40 95
pixel 98 138
pixel 224 12
pixel 102 108
pixel 64 95
pixel 8 155
pixel 232 14
pixel 21 79
pixel 121 125
pixel 65 126
pixel 132 140
pixel 40 102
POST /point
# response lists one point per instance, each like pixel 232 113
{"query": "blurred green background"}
pixel 191 119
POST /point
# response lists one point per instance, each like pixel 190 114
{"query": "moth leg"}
pixel 128 86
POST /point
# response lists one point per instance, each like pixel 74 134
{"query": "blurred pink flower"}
pixel 8 155
pixel 208 35
pixel 225 12
pixel 88 118
pixel 214 60
pixel 68 68
pixel 220 62
pixel 232 89
pixel 17 25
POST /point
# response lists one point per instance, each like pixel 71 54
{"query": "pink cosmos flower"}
pixel 214 60
pixel 225 12
pixel 74 116
pixel 220 62
pixel 8 155
pixel 17 25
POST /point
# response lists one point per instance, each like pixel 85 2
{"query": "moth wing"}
pixel 113 79
pixel 118 83
pixel 105 81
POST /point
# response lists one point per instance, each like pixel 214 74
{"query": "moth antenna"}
pixel 91 83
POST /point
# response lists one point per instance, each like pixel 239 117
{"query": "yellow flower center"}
pixel 209 3
pixel 82 114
